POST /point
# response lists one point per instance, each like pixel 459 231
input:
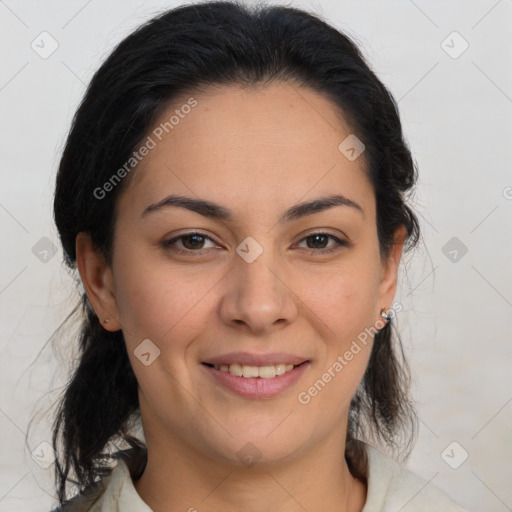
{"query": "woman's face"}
pixel 254 280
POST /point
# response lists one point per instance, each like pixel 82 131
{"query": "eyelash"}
pixel 170 244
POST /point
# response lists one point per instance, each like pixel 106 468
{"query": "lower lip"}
pixel 256 387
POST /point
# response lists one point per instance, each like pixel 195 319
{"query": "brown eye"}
pixel 190 243
pixel 317 243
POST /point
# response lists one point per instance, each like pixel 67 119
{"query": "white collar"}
pixel 391 487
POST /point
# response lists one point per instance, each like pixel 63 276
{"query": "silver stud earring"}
pixel 106 321
pixel 384 315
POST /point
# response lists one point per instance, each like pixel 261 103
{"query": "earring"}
pixel 384 315
pixel 106 321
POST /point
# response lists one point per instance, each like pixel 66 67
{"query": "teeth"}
pixel 264 372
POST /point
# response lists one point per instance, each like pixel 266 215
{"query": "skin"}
pixel 256 151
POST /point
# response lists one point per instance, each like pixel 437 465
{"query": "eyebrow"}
pixel 219 212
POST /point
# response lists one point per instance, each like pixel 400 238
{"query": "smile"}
pixel 263 372
pixel 256 381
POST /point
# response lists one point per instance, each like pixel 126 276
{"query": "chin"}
pixel 260 449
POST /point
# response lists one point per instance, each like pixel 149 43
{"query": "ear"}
pixel 389 271
pixel 98 281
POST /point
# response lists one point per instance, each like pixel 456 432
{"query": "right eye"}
pixel 194 240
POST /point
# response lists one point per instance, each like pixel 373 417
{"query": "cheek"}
pixel 156 301
pixel 344 300
pixel 343 312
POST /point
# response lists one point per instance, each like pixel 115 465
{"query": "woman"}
pixel 232 193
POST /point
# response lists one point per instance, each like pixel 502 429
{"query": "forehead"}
pixel 276 144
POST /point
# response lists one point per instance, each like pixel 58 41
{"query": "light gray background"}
pixel 457 319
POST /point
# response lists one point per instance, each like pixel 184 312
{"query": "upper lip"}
pixel 253 359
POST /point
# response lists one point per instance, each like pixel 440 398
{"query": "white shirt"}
pixel 391 488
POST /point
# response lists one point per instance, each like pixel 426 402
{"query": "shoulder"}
pixel 114 493
pixel 392 487
pixel 84 501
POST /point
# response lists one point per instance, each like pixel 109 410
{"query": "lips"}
pixel 256 387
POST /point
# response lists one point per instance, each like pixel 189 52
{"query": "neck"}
pixel 177 478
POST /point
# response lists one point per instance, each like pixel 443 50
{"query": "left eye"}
pixel 192 243
pixel 320 238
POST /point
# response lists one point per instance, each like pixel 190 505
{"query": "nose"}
pixel 258 296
